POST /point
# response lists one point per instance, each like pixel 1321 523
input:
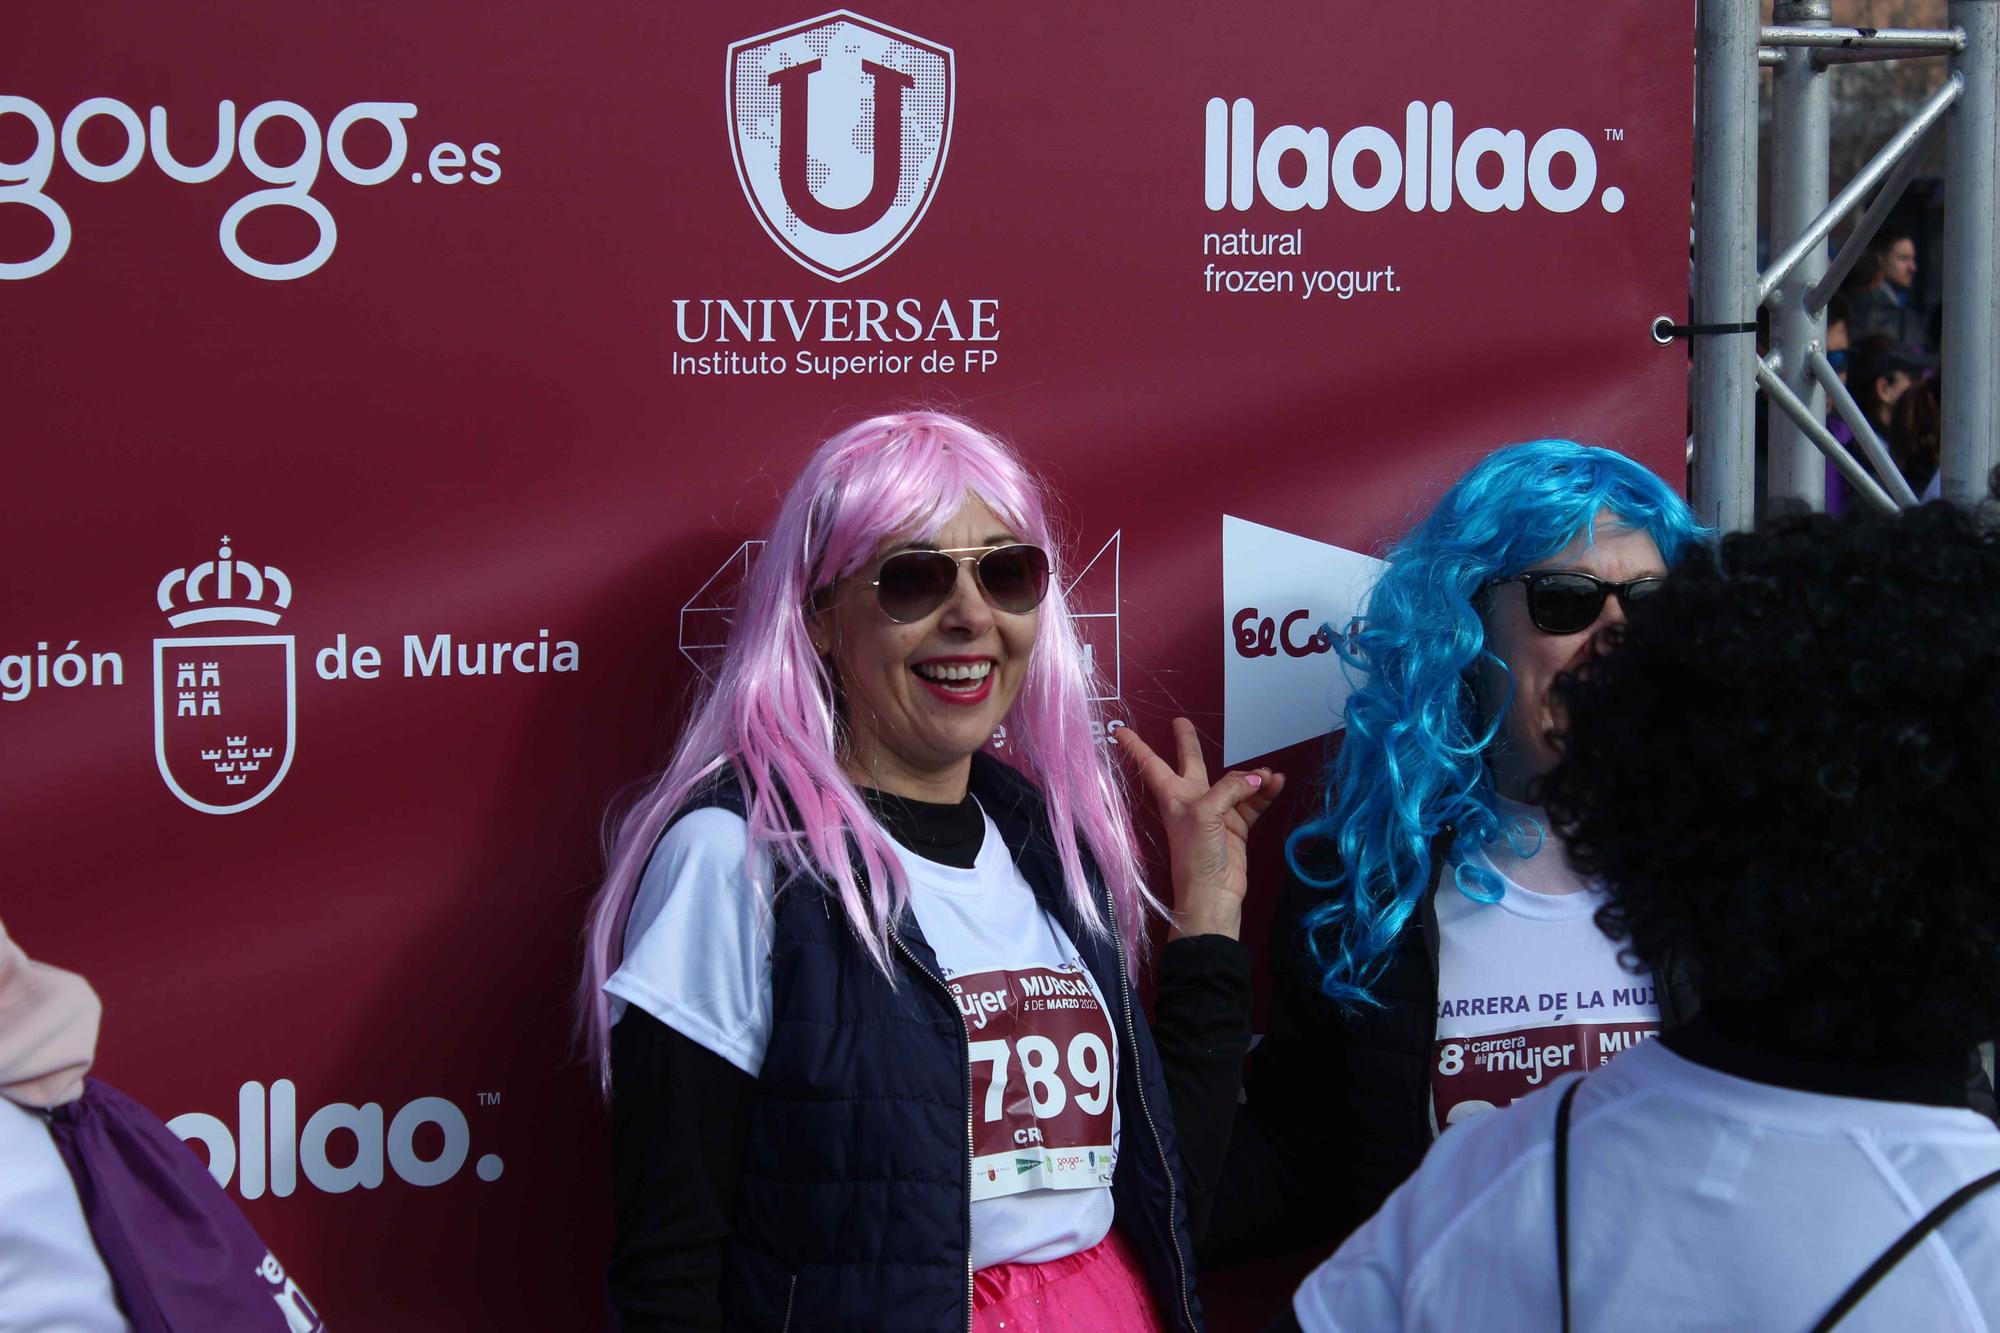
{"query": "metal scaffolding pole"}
pixel 1822 34
pixel 1799 46
pixel 1801 122
pixel 1971 352
pixel 1725 204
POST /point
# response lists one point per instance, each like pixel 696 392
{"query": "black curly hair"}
pixel 1786 770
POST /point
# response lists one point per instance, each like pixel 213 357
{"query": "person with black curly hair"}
pixel 1786 772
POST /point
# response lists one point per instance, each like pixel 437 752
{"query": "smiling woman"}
pixel 928 658
pixel 841 943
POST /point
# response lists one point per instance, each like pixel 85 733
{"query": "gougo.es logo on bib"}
pixel 839 127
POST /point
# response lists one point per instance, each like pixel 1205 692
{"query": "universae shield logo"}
pixel 839 126
pixel 224 705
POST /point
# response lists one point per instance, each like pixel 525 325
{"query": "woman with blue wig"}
pixel 1434 954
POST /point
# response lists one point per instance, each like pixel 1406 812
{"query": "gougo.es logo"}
pixel 289 184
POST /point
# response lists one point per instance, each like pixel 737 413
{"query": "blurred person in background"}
pixel 1915 440
pixel 1886 306
pixel 1880 374
pixel 1837 341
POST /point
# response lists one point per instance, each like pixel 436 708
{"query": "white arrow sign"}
pixel 1284 598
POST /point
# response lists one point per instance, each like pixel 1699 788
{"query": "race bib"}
pixel 1474 1074
pixel 1044 1076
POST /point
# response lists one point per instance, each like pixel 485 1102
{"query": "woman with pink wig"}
pixel 859 977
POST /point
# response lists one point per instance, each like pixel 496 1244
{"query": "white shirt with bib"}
pixel 1528 990
pixel 1041 1036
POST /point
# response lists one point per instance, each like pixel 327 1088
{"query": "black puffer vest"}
pixel 855 1205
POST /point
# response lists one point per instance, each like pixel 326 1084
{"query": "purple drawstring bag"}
pixel 181 1255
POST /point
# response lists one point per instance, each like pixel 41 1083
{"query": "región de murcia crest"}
pixel 225 699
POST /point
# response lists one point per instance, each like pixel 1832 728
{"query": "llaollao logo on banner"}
pixel 341 1146
pixel 225 706
pixel 839 127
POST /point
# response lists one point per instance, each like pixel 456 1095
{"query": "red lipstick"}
pixel 962 698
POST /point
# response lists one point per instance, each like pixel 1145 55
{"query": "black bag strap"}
pixel 1908 1241
pixel 1562 1197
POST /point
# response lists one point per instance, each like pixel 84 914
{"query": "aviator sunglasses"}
pixel 912 584
pixel 1567 601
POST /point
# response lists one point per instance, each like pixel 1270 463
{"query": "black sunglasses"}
pixel 912 584
pixel 1567 601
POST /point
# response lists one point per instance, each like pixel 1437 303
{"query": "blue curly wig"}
pixel 1412 762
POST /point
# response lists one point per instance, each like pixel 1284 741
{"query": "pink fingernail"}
pixel 1254 780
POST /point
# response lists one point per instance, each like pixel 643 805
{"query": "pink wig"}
pixel 770 712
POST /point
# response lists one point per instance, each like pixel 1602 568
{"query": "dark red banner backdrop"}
pixel 484 337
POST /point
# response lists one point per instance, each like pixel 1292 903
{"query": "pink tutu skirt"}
pixel 1101 1290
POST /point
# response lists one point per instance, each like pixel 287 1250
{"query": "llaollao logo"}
pixel 267 1149
pixel 225 706
pixel 839 126
pixel 1367 168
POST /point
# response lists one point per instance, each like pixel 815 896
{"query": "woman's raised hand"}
pixel 1208 828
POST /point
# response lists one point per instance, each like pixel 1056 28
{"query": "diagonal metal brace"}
pixel 1815 430
pixel 1871 222
pixel 1864 430
pixel 1902 142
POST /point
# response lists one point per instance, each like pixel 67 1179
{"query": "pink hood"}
pixel 48 1029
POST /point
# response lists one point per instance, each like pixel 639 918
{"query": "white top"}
pixel 1043 1048
pixel 52 1280
pixel 1697 1201
pixel 698 941
pixel 1529 989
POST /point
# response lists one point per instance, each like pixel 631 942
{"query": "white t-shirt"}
pixel 52 1279
pixel 1697 1201
pixel 1528 989
pixel 1043 1047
